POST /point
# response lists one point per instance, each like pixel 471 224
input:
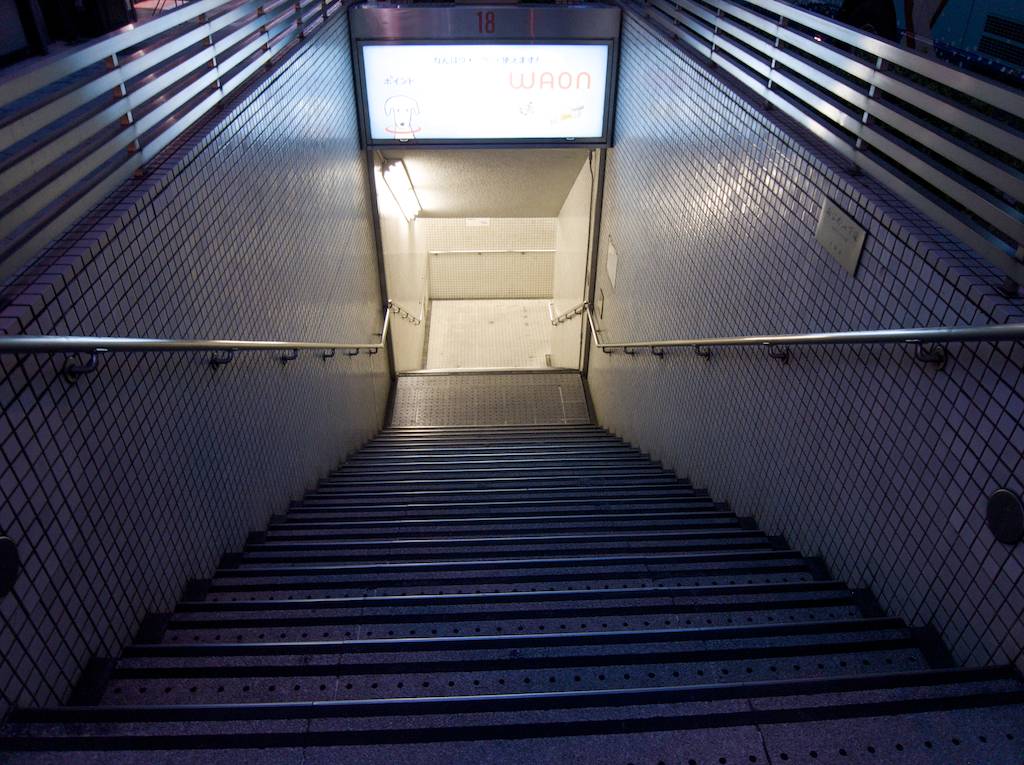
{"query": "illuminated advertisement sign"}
pixel 497 92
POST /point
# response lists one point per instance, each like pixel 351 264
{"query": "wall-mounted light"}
pixel 400 185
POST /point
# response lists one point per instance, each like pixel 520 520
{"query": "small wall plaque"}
pixel 840 235
pixel 612 262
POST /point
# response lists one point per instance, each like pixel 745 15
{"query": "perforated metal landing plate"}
pixel 538 398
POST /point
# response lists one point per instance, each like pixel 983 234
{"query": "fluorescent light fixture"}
pixel 396 177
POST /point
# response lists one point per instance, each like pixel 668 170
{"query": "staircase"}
pixel 526 594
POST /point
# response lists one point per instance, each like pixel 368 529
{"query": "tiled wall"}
pixel 405 266
pixel 573 245
pixel 488 233
pixel 863 455
pixel 120 487
pixel 500 269
pixel 491 275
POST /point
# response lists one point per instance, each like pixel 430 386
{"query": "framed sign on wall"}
pixel 494 76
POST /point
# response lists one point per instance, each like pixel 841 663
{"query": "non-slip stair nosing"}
pixel 656 499
pixel 454 552
pixel 483 731
pixel 486 473
pixel 520 562
pixel 531 640
pixel 495 426
pixel 276 539
pixel 519 462
pixel 555 538
pixel 401 430
pixel 642 515
pixel 404 666
pixel 697 505
pixel 567 440
pixel 576 482
pixel 326 532
pixel 472 500
pixel 300 519
pixel 669 488
pixel 500 438
pixel 796 567
pixel 275 621
pixel 336 495
pixel 611 593
pixel 454 454
pixel 541 700
pixel 407 431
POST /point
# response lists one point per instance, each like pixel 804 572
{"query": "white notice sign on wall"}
pixel 612 262
pixel 840 235
pixel 485 92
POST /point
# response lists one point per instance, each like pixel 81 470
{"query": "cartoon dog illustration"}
pixel 402 110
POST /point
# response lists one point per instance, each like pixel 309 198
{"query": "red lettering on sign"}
pixel 523 84
pixel 565 80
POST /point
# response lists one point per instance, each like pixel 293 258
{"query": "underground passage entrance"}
pixel 498 247
pixel 485 130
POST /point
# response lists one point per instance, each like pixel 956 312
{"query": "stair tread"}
pixel 802 694
pixel 526 594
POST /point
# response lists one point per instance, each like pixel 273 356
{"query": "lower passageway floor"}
pixel 475 334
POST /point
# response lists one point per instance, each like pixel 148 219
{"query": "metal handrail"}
pixel 572 313
pixel 403 313
pixel 224 350
pixel 947 141
pixel 485 252
pixel 925 340
pixel 75 127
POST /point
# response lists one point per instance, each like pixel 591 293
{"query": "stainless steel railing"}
pixel 570 314
pixel 402 313
pixel 949 142
pixel 73 128
pixel 927 342
pixel 222 351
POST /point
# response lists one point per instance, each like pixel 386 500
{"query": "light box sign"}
pixel 496 92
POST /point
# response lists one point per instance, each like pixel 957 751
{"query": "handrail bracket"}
pixel 72 369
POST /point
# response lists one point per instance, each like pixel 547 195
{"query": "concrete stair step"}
pixel 654 487
pixel 556 537
pixel 460 510
pixel 443 505
pixel 779 566
pixel 623 460
pixel 429 550
pixel 436 528
pixel 539 643
pixel 367 677
pixel 532 595
pixel 452 548
pixel 574 481
pixel 633 563
pixel 524 472
pixel 489 440
pixel 564 445
pixel 905 707
pixel 349 588
pixel 399 617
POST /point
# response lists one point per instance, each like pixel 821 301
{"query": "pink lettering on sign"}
pixel 551 80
